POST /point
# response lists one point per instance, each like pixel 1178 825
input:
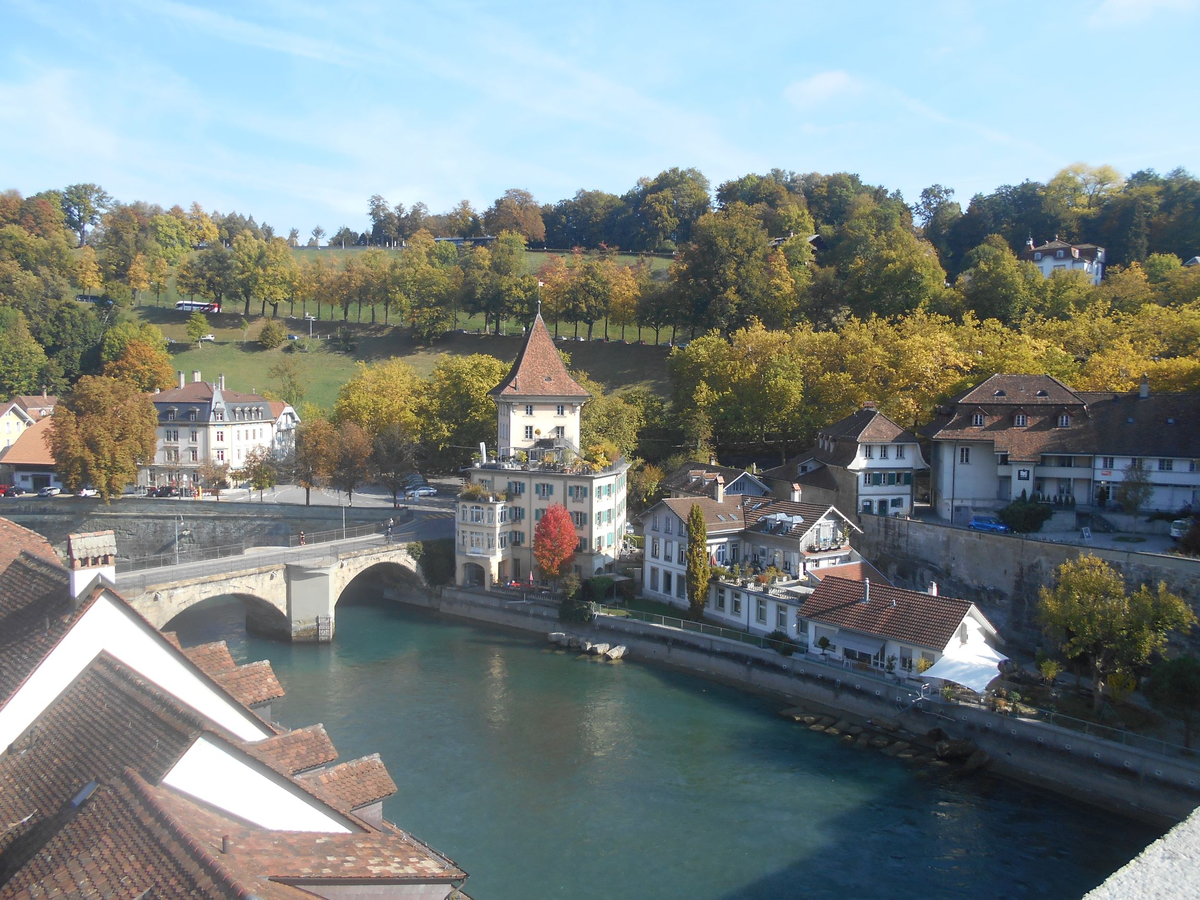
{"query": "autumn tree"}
pixel 142 363
pixel 1092 618
pixel 87 271
pixel 698 569
pixel 291 381
pixel 555 542
pixel 393 458
pixel 258 470
pixel 22 359
pixel 103 430
pixel 315 456
pixel 197 326
pixel 83 205
pixel 272 334
pixel 456 411
pixel 516 211
pixel 379 395
pixel 1135 489
pixel 353 462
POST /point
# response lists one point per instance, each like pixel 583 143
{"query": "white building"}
pixel 1032 434
pixel 539 464
pixel 1058 255
pixel 199 422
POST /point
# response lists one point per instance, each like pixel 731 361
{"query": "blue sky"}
pixel 297 112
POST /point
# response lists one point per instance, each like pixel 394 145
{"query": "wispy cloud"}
pixel 1121 13
pixel 821 88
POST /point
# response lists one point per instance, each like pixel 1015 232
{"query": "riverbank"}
pixel 1120 779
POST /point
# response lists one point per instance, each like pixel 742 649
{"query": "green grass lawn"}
pixel 618 366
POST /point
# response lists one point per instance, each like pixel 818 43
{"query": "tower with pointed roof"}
pixel 537 463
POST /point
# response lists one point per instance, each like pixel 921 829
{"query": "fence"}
pixel 787 648
pixel 205 554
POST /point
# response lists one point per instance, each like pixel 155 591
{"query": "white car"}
pixel 86 492
pixel 423 491
pixel 49 492
pixel 1179 528
pixel 208 337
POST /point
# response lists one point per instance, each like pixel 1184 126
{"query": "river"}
pixel 546 775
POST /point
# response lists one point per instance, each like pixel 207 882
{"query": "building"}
pixel 696 479
pixel 13 422
pixel 37 405
pixel 538 463
pixel 1058 255
pixel 863 464
pixel 777 547
pixel 135 767
pixel 29 461
pixel 200 422
pixel 287 420
pixel 1033 435
pixel 869 624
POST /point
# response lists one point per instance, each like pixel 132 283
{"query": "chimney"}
pixel 221 382
pixel 1144 388
pixel 224 843
pixel 1029 243
pixel 181 380
pixel 795 498
pixel 91 555
pixel 43 392
pixel 933 589
pixel 866 590
pixel 720 483
pixel 712 460
pixel 868 404
pixel 195 376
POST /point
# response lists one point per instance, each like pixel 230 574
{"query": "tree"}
pixel 554 542
pixel 22 359
pixel 291 382
pixel 87 271
pixel 698 569
pixel 197 326
pixel 516 211
pixel 142 363
pixel 393 458
pixel 379 395
pixel 353 465
pixel 1135 489
pixel 456 411
pixel 315 456
pixel 343 234
pixel 160 276
pixel 1092 618
pixel 259 470
pixel 83 204
pixel 1175 686
pixel 272 334
pixel 103 430
pixel 317 234
pixel 138 276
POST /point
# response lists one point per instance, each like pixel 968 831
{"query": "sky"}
pixel 297 112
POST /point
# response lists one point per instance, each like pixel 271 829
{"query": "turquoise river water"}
pixel 545 775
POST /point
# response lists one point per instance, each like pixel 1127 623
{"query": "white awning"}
pixel 974 667
pixel 872 646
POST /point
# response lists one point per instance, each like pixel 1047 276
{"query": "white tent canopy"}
pixel 974 667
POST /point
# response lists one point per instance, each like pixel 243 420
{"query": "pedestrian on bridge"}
pixel 387 531
pixel 302 539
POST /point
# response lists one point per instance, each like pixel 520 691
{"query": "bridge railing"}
pixel 207 554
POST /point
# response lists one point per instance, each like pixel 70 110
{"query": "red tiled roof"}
pixel 354 784
pixel 31 403
pixel 538 370
pixel 915 618
pixel 700 479
pixel 17 539
pixel 35 613
pixel 725 516
pixel 251 684
pixel 757 508
pixel 32 448
pixel 295 751
pixel 853 571
pixel 213 658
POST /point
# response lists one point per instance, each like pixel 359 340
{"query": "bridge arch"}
pixel 260 616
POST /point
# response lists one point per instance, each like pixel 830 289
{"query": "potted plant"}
pixel 890 666
pixel 822 645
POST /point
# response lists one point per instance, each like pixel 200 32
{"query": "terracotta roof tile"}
pixel 916 618
pixel 251 684
pixel 538 370
pixel 295 751
pixel 354 784
pixel 32 448
pixel 726 516
pixel 757 509
pixel 35 613
pixel 213 658
pixel 700 479
pixel 16 539
pixel 854 571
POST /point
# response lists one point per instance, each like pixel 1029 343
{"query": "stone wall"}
pixel 147 527
pixel 1002 573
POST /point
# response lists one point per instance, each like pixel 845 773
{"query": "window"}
pixel 1020 420
pixel 518 513
pixel 736 603
pixel 680 588
pixel 653 578
pixel 666 582
pixel 517 538
pixel 1058 254
pixel 599 517
pixel 899 451
pixel 964 455
pixel 1166 465
pixel 1037 256
pixel 1002 459
pixel 883 452
pixel 1064 420
pixel 560 410
pixel 654 523
pixel 529 432
pixel 868 452
pixel 170 415
pixel 220 415
pixel 195 454
pixel 720 599
pixel 670 527
pixel 476 514
pixel 516 487
pixel 191 415
pixel 1106 462
pixel 579 519
pixel 654 548
pixel 781 617
pixel 529 409
pixel 760 611
pixel 669 551
pixel 599 492
pixel 977 420
pixel 560 431
pixel 195 436
pixel 220 456
pixel 897 502
pixel 544 489
pixel 172 434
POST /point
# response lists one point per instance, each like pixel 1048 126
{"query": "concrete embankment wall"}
pixel 1003 573
pixel 1126 780
pixel 147 527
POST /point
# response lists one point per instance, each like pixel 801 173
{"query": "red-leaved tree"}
pixel 554 541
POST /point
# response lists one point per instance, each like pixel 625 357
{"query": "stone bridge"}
pixel 290 593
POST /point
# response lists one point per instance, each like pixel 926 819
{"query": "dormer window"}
pixel 1020 420
pixel 170 415
pixel 1042 394
pixel 977 420
pixel 999 394
pixel 1037 256
pixel 1064 420
pixel 191 415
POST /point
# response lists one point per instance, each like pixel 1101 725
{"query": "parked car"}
pixel 17 491
pixel 293 337
pixel 167 490
pixel 49 491
pixel 86 492
pixel 209 337
pixel 4 489
pixel 423 491
pixel 1179 528
pixel 987 523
